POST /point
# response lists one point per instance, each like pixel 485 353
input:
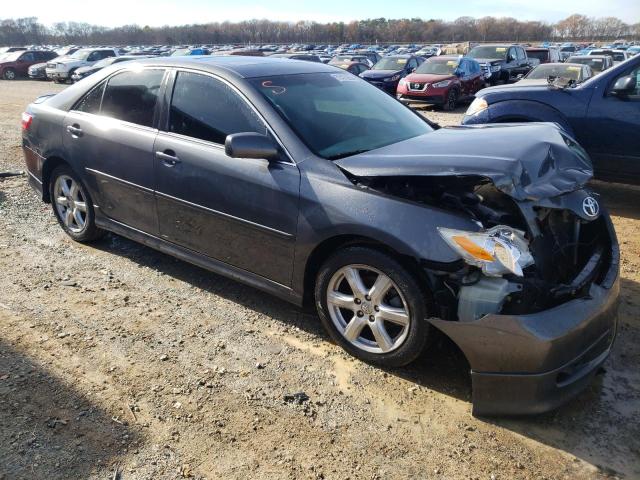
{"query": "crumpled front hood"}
pixel 528 161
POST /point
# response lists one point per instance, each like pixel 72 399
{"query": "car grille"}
pixel 485 69
pixel 417 86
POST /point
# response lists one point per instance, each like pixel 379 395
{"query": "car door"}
pixel 523 62
pixel 614 122
pixel 24 62
pixel 109 135
pixel 239 211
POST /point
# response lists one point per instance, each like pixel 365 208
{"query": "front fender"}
pixel 518 111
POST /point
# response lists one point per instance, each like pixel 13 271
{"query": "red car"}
pixel 442 81
pixel 16 64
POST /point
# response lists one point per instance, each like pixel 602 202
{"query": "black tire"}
pixel 9 74
pixel 415 299
pixel 90 232
pixel 452 100
pixel 69 79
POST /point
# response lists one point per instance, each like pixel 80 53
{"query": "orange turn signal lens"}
pixel 472 248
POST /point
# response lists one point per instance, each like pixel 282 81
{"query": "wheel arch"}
pixel 330 245
pixel 527 111
pixel 49 165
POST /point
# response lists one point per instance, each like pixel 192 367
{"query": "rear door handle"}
pixel 74 130
pixel 169 157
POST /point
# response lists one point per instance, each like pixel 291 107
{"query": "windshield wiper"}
pixel 346 154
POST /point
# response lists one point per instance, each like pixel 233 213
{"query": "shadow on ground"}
pixel 48 429
pixel 621 200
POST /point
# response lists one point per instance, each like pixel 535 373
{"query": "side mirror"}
pixel 624 86
pixel 250 145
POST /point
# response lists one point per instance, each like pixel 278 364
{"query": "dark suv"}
pixel 544 54
pixel 501 62
pixel 309 183
pixel 17 63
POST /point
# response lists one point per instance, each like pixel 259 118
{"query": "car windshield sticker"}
pixel 402 61
pixel 275 89
pixel 573 69
pixel 501 49
pixel 452 63
pixel 343 77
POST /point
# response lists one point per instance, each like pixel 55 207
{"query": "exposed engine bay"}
pixel 527 256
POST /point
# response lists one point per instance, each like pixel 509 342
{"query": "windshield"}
pixel 488 52
pixel 438 66
pixel 80 54
pixel 571 72
pixel 337 114
pixel 389 63
pixel 596 64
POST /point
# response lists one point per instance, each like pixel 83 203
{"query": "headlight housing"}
pixel 477 106
pixel 402 82
pixel 495 68
pixel 498 251
pixel 442 84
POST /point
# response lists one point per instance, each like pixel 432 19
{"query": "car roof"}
pixel 590 57
pixel 241 66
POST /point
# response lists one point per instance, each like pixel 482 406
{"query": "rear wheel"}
pixel 72 205
pixel 9 74
pixel 372 306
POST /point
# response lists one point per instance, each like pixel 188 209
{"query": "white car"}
pixel 61 70
pixel 617 55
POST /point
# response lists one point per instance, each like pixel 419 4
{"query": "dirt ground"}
pixel 117 361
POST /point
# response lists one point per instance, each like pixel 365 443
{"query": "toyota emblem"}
pixel 590 207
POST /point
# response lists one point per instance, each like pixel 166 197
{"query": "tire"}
pixel 374 337
pixel 73 207
pixel 9 74
pixel 452 100
pixel 69 79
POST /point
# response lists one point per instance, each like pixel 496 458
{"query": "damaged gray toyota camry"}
pixel 307 182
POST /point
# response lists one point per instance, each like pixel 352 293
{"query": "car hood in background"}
pixel 379 74
pixel 528 161
pixel 489 60
pixel 428 78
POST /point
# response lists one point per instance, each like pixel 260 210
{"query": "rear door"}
pixel 614 123
pixel 240 211
pixel 110 135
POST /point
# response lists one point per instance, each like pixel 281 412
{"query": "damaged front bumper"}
pixel 528 364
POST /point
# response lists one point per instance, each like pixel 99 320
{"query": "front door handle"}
pixel 74 130
pixel 169 158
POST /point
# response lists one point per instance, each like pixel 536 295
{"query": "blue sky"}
pixel 163 12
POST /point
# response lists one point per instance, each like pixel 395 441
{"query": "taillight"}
pixel 26 120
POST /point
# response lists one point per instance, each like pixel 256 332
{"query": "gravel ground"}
pixel 117 361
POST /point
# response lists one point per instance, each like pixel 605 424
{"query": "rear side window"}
pixel 91 101
pixel 205 108
pixel 132 96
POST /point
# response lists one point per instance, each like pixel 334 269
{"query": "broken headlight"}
pixel 497 251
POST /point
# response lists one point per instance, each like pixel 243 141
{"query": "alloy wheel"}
pixel 368 309
pixel 70 203
pixel 9 74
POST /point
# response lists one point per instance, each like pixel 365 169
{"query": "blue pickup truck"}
pixel 602 114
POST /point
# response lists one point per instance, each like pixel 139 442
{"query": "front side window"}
pixel 337 115
pixel 131 96
pixel 205 108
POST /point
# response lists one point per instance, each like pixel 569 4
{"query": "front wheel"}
pixel 72 205
pixel 451 101
pixel 372 306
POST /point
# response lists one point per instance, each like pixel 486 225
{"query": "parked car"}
pixel 311 184
pixel 309 57
pixel 501 62
pixel 564 72
pixel 635 50
pixel 355 68
pixel 373 56
pixel 389 70
pixel 339 60
pixel 61 70
pixel 544 55
pixel 566 51
pixel 84 72
pixel 617 55
pixel 601 114
pixel 442 81
pixel 17 63
pixel 598 63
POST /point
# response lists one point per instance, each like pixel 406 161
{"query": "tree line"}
pixel 28 31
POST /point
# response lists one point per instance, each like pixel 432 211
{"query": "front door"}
pixel 614 122
pixel 240 211
pixel 110 135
